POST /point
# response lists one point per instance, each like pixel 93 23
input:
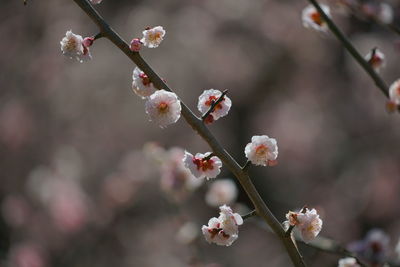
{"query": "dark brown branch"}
pixel 198 126
pixel 249 215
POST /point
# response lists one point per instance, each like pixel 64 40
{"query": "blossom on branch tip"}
pixel 207 98
pixel 307 222
pixel 221 192
pixel 135 45
pixel 223 230
pixel 72 47
pixel 95 2
pixel 262 150
pixel 348 262
pixel 394 96
pixel 163 108
pixel 152 37
pixel 313 19
pixel 202 165
pixel 376 59
pixel 141 85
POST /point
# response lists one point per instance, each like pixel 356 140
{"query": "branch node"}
pixel 249 215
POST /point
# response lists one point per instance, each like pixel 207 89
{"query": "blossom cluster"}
pixel 223 230
pixel 306 222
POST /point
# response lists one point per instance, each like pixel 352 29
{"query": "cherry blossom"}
pixel 141 85
pixel 313 19
pixel 262 150
pixel 376 59
pixel 202 165
pixel 221 192
pixel 223 230
pixel 152 37
pixel 163 108
pixel 307 222
pixel 72 47
pixel 207 98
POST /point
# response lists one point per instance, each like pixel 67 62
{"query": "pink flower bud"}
pixel 136 44
pixel 88 41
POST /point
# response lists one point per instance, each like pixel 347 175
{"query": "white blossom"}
pixel 152 37
pixel 207 98
pixel 141 85
pixel 394 92
pixel 376 59
pixel 221 192
pixel 223 230
pixel 201 166
pixel 348 262
pixel 72 47
pixel 262 150
pixel 187 233
pixel 163 108
pixel 307 222
pixel 385 14
pixel 313 19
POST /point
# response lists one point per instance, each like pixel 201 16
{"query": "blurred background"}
pixel 87 180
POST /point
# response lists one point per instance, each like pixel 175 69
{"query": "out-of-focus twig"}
pixel 198 125
pixel 350 48
pixel 330 246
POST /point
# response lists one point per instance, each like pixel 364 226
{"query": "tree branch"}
pixel 198 126
pixel 350 48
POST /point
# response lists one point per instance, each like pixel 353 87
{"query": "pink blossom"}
pixel 135 45
pixel 313 19
pixel 201 166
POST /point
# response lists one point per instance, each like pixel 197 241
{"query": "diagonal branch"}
pixel 198 126
pixel 350 48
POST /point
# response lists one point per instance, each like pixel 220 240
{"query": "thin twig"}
pixel 330 246
pixel 209 156
pixel 246 166
pixel 350 48
pixel 198 125
pixel 214 104
pixel 249 215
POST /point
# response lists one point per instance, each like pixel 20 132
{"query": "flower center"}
pixel 212 99
pixel 71 44
pixel 261 150
pixel 163 107
pixel 317 18
pixel 145 79
pixel 204 165
pixel 154 36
